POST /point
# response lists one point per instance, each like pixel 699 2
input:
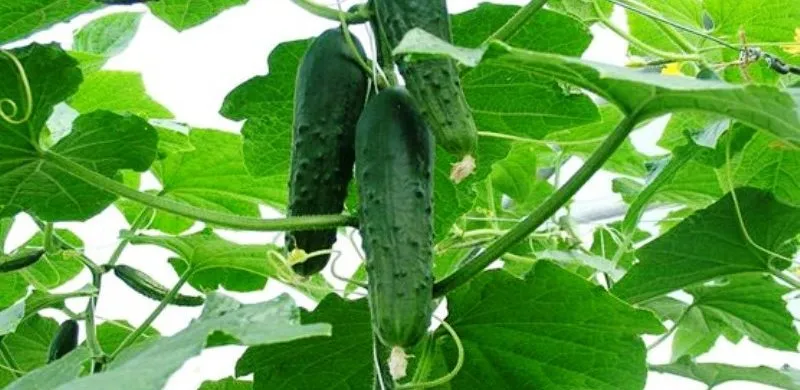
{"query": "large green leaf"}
pixel 343 361
pixel 521 333
pixel 51 376
pixel 121 92
pixel 710 244
pixel 686 12
pixel 149 367
pixel 472 27
pixel 110 335
pixel 582 141
pixel 643 95
pixel 185 14
pixel 28 346
pixel 104 38
pixel 101 141
pixel 18 19
pixel 211 176
pixel 581 9
pixel 751 305
pixel 51 271
pixel 714 374
pixel 517 104
pixel 226 384
pixel 266 104
pixel 10 317
pixel 769 164
pixel 216 262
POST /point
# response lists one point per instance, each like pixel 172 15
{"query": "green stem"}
pixel 671 330
pixel 492 205
pixel 91 325
pixel 788 279
pixel 675 57
pixel 511 27
pixel 489 134
pixel 48 237
pixel 221 219
pixel 516 22
pixel 156 312
pixel 361 16
pixel 9 359
pixel 550 206
pixel 637 208
pixel 137 224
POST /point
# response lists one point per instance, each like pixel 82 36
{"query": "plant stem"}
pixel 794 283
pixel 516 22
pixel 550 206
pixel 675 57
pixel 671 330
pixel 322 11
pixel 91 326
pixel 137 224
pixel 48 237
pixel 221 219
pixel 156 312
pixel 489 134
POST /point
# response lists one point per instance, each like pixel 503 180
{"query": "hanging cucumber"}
pixel 329 95
pixel 394 169
pixel 65 341
pixel 143 284
pixel 435 84
pixel 18 261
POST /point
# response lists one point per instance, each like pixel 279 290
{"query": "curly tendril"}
pixel 8 108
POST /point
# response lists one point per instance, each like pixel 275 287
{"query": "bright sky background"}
pixel 191 72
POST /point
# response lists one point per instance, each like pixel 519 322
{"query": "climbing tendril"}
pixel 9 109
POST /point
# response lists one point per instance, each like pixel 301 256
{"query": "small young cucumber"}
pixel 18 261
pixel 65 341
pixel 435 84
pixel 329 95
pixel 394 169
pixel 149 287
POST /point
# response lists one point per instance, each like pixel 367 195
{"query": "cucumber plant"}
pixel 443 276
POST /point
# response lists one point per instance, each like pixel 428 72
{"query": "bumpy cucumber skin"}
pixel 329 96
pixel 435 84
pixel 21 260
pixel 394 169
pixel 65 341
pixel 145 285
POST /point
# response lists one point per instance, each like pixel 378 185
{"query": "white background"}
pixel 191 72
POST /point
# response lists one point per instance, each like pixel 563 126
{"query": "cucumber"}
pixel 65 341
pixel 18 261
pixel 434 84
pixel 394 169
pixel 149 287
pixel 329 95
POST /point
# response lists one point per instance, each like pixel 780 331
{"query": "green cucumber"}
pixel 18 261
pixel 435 83
pixel 394 169
pixel 329 95
pixel 65 341
pixel 149 287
